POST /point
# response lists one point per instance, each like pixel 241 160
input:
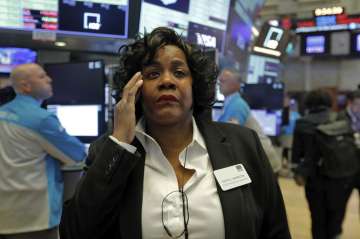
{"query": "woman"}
pixel 154 176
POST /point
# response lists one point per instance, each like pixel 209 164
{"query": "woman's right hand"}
pixel 124 112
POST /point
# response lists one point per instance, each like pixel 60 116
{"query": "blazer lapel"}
pixel 131 208
pixel 232 201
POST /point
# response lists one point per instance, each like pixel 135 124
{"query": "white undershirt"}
pixel 206 217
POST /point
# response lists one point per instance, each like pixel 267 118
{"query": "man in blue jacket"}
pixel 33 147
pixel 237 111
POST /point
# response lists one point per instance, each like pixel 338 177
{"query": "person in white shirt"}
pixel 166 171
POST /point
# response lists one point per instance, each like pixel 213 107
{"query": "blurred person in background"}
pixel 326 195
pixel 237 111
pixel 289 116
pixel 33 147
pixel 352 114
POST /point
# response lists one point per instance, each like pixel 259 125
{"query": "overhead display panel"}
pixel 197 20
pixel 315 44
pixel 10 57
pixel 241 20
pixel 340 43
pixel 94 17
pixel 239 32
pixel 29 14
pixel 106 18
pixel 262 69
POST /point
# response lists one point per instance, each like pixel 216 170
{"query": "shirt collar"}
pixel 142 136
pixel 28 99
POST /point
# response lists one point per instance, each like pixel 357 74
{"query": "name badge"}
pixel 232 177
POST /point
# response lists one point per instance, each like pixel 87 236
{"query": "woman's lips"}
pixel 167 98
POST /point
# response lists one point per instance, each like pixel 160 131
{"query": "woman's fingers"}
pixel 129 87
pixel 133 92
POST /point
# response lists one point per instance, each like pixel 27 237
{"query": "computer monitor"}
pixel 10 57
pixel 270 121
pixel 272 41
pixel 77 82
pixel 100 18
pixel 97 18
pixel 355 43
pixel 263 95
pixel 198 21
pixel 315 44
pixel 262 69
pixel 83 121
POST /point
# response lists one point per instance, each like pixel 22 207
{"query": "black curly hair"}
pixel 134 57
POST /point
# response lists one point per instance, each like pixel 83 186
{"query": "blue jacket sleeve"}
pixel 235 112
pixel 58 143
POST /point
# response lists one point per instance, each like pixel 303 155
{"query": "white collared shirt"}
pixel 206 217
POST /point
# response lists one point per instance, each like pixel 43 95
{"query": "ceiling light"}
pixel 60 43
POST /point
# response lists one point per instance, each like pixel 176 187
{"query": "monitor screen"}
pixel 272 40
pixel 106 18
pixel 77 83
pixel 11 57
pixel 239 32
pixel 241 20
pixel 196 20
pixel 263 95
pixel 315 44
pixel 269 121
pixel 340 43
pixel 329 20
pixel 29 14
pixel 78 120
pixel 262 69
pixel 355 43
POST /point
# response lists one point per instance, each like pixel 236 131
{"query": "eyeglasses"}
pixel 171 207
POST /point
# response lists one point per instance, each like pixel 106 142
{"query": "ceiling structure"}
pixel 273 9
pixel 300 9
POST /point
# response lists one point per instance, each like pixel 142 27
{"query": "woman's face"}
pixel 167 88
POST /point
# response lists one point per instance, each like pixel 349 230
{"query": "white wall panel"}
pixel 349 75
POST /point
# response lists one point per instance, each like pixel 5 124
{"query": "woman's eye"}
pixel 151 75
pixel 180 73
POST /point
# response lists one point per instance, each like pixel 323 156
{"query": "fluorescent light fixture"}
pixel 267 51
pixel 60 43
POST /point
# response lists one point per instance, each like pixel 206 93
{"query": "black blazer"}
pixel 108 200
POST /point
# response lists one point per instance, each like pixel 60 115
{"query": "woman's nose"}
pixel 167 82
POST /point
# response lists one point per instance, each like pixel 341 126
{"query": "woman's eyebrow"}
pixel 152 63
pixel 176 63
